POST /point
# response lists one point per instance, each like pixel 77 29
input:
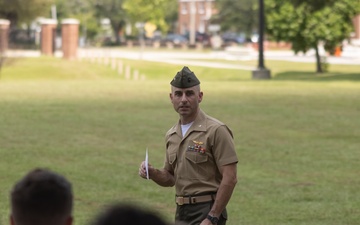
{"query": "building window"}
pixel 184 8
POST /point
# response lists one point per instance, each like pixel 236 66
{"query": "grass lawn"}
pixel 297 136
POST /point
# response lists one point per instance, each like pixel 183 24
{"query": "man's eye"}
pixel 190 93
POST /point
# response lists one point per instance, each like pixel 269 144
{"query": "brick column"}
pixel 4 35
pixel 357 26
pixel 70 38
pixel 48 27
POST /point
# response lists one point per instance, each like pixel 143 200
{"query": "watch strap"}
pixel 213 219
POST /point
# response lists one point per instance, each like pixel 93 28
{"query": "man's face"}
pixel 186 100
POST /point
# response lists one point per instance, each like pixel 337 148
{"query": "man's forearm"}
pixel 224 192
pixel 162 177
pixel 222 198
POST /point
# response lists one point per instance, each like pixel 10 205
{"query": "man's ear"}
pixel 201 94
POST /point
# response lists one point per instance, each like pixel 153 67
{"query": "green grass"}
pixel 296 135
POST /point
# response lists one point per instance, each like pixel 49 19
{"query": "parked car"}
pixel 233 38
pixel 203 38
pixel 175 39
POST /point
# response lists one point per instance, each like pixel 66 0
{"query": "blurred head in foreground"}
pixel 41 197
pixel 126 214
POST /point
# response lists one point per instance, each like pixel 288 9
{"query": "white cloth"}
pixel 185 128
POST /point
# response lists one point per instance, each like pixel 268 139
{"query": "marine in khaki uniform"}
pixel 200 158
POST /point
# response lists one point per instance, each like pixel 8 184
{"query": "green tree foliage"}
pixel 90 12
pixel 237 15
pixel 122 12
pixel 113 10
pixel 171 14
pixel 155 11
pixel 307 23
pixel 83 11
pixel 24 11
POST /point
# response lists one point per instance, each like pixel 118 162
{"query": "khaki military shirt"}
pixel 195 159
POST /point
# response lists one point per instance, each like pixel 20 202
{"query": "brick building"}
pixel 357 27
pixel 195 15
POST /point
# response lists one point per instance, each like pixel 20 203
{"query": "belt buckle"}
pixel 180 200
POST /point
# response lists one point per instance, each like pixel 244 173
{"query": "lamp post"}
pixel 261 72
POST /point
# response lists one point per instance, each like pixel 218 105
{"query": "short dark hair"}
pixel 125 214
pixel 41 197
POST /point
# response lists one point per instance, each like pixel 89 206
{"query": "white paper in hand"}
pixel 147 163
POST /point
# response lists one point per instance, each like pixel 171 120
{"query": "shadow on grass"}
pixel 311 76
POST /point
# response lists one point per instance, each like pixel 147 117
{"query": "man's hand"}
pixel 206 222
pixel 142 170
pixel 162 177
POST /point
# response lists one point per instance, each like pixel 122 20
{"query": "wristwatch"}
pixel 213 219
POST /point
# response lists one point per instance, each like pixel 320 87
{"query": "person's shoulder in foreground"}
pixel 127 214
pixel 41 197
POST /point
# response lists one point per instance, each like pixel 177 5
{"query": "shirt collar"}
pixel 198 125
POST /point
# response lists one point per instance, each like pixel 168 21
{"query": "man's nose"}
pixel 183 98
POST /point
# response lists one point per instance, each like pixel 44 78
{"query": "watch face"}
pixel 214 220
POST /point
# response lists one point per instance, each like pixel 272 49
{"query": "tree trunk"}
pixel 117 36
pixel 318 61
pixel 117 28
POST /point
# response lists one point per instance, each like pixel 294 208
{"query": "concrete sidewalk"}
pixel 350 56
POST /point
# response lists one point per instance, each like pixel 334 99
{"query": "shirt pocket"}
pixel 172 158
pixel 196 158
pixel 197 166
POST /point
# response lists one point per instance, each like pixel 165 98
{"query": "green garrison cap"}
pixel 185 79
